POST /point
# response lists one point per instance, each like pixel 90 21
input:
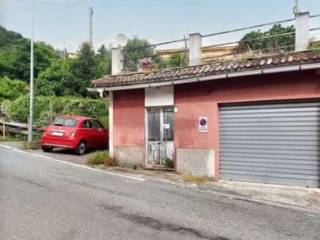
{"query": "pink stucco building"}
pixel 255 120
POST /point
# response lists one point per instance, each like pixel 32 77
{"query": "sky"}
pixel 64 23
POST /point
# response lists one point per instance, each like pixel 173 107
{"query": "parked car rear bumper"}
pixel 61 143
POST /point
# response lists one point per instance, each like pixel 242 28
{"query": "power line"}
pixel 212 34
pixel 254 39
pixel 314 29
pixel 220 33
pixel 233 42
pixel 153 45
pixel 315 15
pixel 248 28
pixel 272 50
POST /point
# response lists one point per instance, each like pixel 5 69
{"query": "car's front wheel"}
pixel 47 148
pixel 81 149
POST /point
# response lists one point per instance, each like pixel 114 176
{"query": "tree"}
pixel 85 68
pixel 8 38
pixel 277 38
pixel 15 60
pixel 73 76
pixel 104 61
pixel 57 80
pixel 135 50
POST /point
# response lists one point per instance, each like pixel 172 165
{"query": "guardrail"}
pixel 13 127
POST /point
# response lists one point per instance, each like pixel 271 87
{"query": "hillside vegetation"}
pixel 60 82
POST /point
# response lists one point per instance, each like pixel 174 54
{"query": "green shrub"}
pixel 5 108
pixel 98 158
pixel 18 110
pixel 46 108
pixel 11 89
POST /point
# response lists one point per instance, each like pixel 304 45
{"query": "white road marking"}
pixel 139 179
pixel 4 146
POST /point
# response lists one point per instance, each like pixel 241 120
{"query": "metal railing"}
pixel 176 54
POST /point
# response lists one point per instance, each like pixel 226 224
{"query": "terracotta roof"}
pixel 281 60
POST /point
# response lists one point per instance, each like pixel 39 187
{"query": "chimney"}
pixel 117 61
pixel 302 31
pixel 195 45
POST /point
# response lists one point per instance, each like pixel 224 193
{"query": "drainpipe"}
pixel 195 45
pixel 302 31
pixel 111 135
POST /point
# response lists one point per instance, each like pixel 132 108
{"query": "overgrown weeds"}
pixel 194 179
pixel 101 158
pixel 30 145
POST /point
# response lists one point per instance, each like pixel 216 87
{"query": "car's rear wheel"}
pixel 81 149
pixel 47 148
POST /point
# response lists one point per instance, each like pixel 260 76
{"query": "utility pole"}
pixel 296 7
pixel 31 76
pixel 91 26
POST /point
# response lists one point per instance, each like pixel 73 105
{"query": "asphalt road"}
pixel 46 199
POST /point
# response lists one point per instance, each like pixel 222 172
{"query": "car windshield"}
pixel 65 122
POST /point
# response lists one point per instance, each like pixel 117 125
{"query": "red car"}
pixel 75 132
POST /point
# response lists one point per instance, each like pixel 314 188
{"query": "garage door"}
pixel 271 143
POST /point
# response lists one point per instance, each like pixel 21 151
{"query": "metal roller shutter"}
pixel 271 143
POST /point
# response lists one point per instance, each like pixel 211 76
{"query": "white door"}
pixel 160 137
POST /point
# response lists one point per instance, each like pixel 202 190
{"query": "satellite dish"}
pixel 121 40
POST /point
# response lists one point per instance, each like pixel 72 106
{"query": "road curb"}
pixel 240 197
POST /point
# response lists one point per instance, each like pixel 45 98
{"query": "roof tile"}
pixel 207 69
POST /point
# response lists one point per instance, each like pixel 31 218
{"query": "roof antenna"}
pixel 121 40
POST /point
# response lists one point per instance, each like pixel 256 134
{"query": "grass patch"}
pixel 18 137
pixel 194 179
pixel 13 138
pixel 101 158
pixel 30 145
pixel 8 139
pixel 98 158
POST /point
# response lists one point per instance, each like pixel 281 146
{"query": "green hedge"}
pixel 46 108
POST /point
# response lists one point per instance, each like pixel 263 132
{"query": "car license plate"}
pixel 57 134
